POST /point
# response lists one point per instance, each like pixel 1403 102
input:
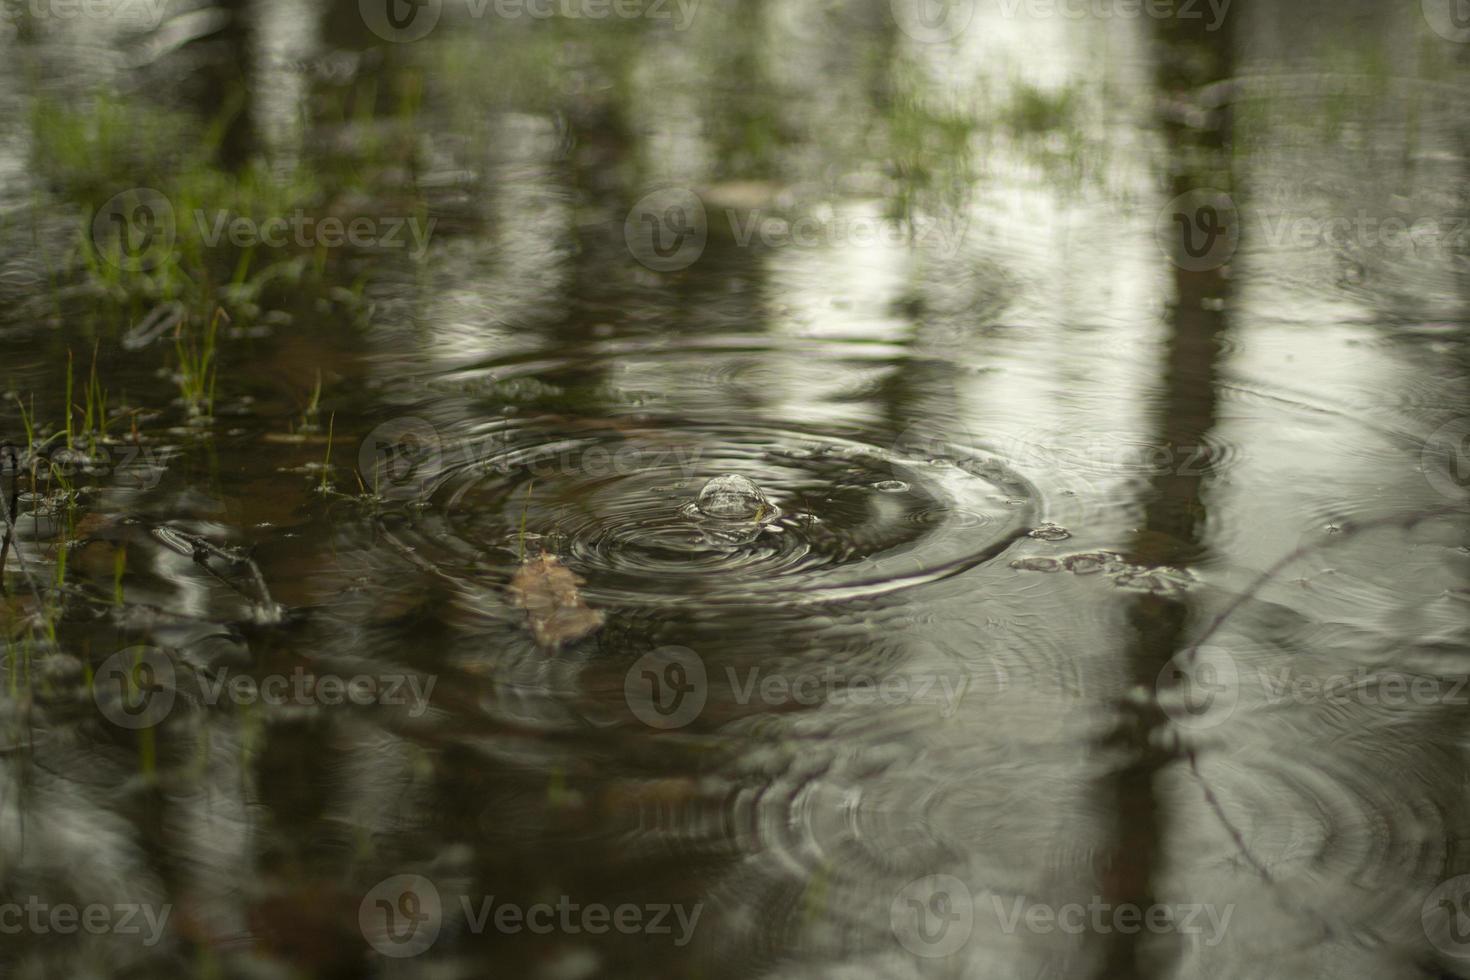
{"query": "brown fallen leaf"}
pixel 547 590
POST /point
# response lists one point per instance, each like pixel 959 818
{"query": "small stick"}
pixel 10 511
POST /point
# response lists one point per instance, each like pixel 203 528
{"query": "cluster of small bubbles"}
pixel 1159 580
pixel 1091 562
pixel 1036 564
pixel 1049 532
pixel 891 486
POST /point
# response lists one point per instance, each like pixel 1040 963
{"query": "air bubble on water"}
pixel 891 486
pixel 732 497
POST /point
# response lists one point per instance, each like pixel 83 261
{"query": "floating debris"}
pixel 550 594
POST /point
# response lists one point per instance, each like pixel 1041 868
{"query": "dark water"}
pixel 1101 371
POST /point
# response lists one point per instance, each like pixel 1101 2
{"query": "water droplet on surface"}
pixel 732 497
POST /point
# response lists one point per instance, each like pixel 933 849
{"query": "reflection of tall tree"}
pixel 1190 56
pixel 222 84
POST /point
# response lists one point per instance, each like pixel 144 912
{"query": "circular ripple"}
pixel 616 504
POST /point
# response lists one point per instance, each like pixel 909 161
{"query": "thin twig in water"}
pixel 327 463
pixel 525 507
pixel 12 515
pixel 10 511
pixel 1189 652
pixel 1348 530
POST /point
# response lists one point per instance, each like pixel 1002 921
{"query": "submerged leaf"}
pixel 547 590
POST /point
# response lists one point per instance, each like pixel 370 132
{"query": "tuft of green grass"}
pixel 326 484
pixel 197 371
pixel 526 506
